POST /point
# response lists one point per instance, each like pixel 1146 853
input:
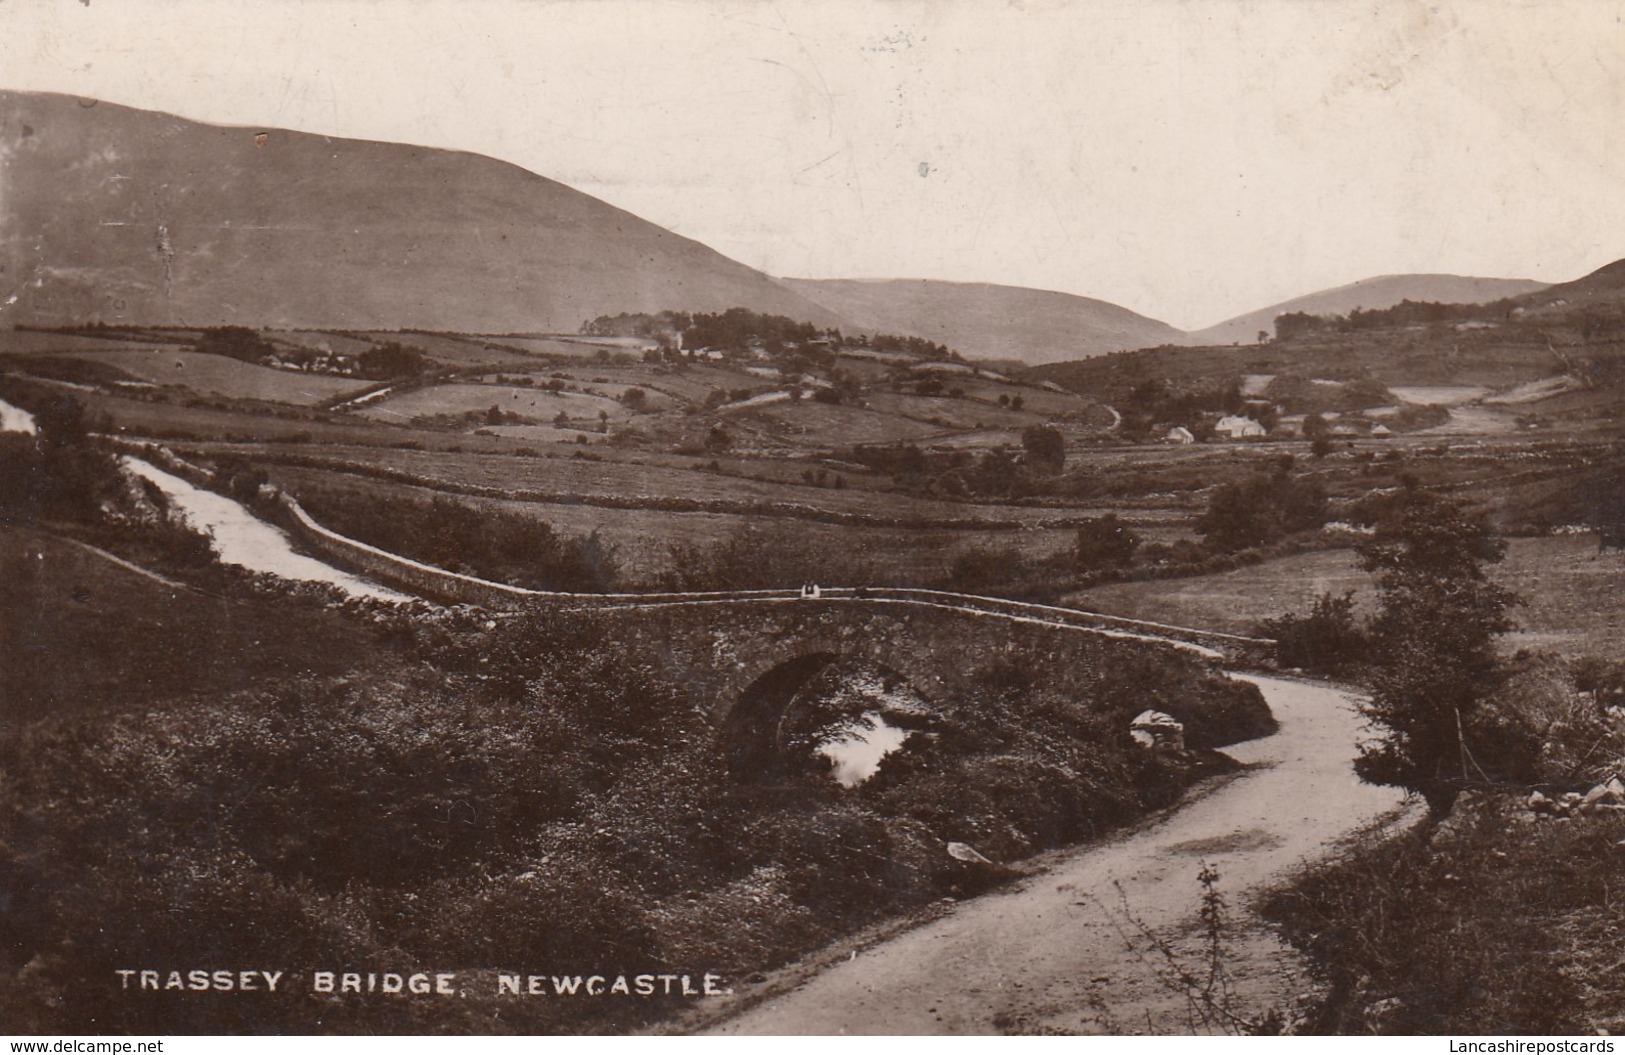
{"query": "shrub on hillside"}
pixel 770 555
pixel 1262 509
pixel 986 569
pixel 489 543
pixel 1104 542
pixel 1548 730
pixel 1326 640
pixel 234 342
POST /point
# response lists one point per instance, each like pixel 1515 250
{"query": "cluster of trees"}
pixel 235 342
pixel 61 474
pixel 1295 324
pixel 900 460
pixel 916 346
pixel 383 362
pixel 1155 402
pixel 389 361
pixel 732 329
pixel 637 324
pixel 57 473
pixel 1044 448
pixel 768 556
pixel 737 329
pixel 962 473
pixel 1438 616
pixel 1105 543
pixel 1261 509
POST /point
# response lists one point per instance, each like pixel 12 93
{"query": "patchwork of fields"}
pixel 215 375
pixel 1574 597
pixel 475 399
pixel 550 427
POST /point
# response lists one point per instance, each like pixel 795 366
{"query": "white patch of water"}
pixel 1439 395
pixel 16 419
pixel 858 748
pixel 243 539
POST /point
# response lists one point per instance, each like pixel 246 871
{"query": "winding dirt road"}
pixel 1067 950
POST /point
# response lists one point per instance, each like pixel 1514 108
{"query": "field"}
pixel 1574 598
pixel 643 540
pixel 322 341
pixel 80 633
pixel 684 472
pixel 570 347
pixel 595 383
pixel 1441 395
pixel 952 413
pixel 216 375
pixel 824 425
pixel 33 342
pixel 674 488
pixel 527 402
pixel 450 350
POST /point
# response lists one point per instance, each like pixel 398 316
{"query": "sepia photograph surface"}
pixel 628 517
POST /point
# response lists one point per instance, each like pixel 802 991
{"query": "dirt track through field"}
pixel 1066 951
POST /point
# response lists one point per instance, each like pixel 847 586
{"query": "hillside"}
pixel 1554 358
pixel 1604 287
pixel 1371 293
pixel 985 321
pixel 116 214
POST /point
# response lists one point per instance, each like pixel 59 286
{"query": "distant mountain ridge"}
pixel 116 214
pixel 985 321
pixel 1383 291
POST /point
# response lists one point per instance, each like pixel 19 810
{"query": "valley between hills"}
pixel 606 606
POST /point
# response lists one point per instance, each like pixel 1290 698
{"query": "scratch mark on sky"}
pixel 823 85
pixel 825 158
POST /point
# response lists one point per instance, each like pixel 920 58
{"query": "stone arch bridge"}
pixel 743 658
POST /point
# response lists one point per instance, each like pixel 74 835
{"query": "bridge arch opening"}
pixel 823 711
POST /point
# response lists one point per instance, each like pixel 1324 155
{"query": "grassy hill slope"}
pixel 1381 292
pixel 985 321
pixel 116 214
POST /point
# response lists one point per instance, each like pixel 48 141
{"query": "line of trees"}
pixel 735 329
pixel 1407 312
pixel 488 543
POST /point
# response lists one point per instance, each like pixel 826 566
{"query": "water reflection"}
pixel 16 419
pixel 857 748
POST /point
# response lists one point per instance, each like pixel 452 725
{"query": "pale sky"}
pixel 1188 159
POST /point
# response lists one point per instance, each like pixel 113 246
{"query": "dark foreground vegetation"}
pixel 1498 922
pixel 536 798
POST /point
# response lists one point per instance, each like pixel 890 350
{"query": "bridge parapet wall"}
pixel 718 649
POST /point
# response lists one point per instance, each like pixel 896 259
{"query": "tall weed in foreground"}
pixel 1204 981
